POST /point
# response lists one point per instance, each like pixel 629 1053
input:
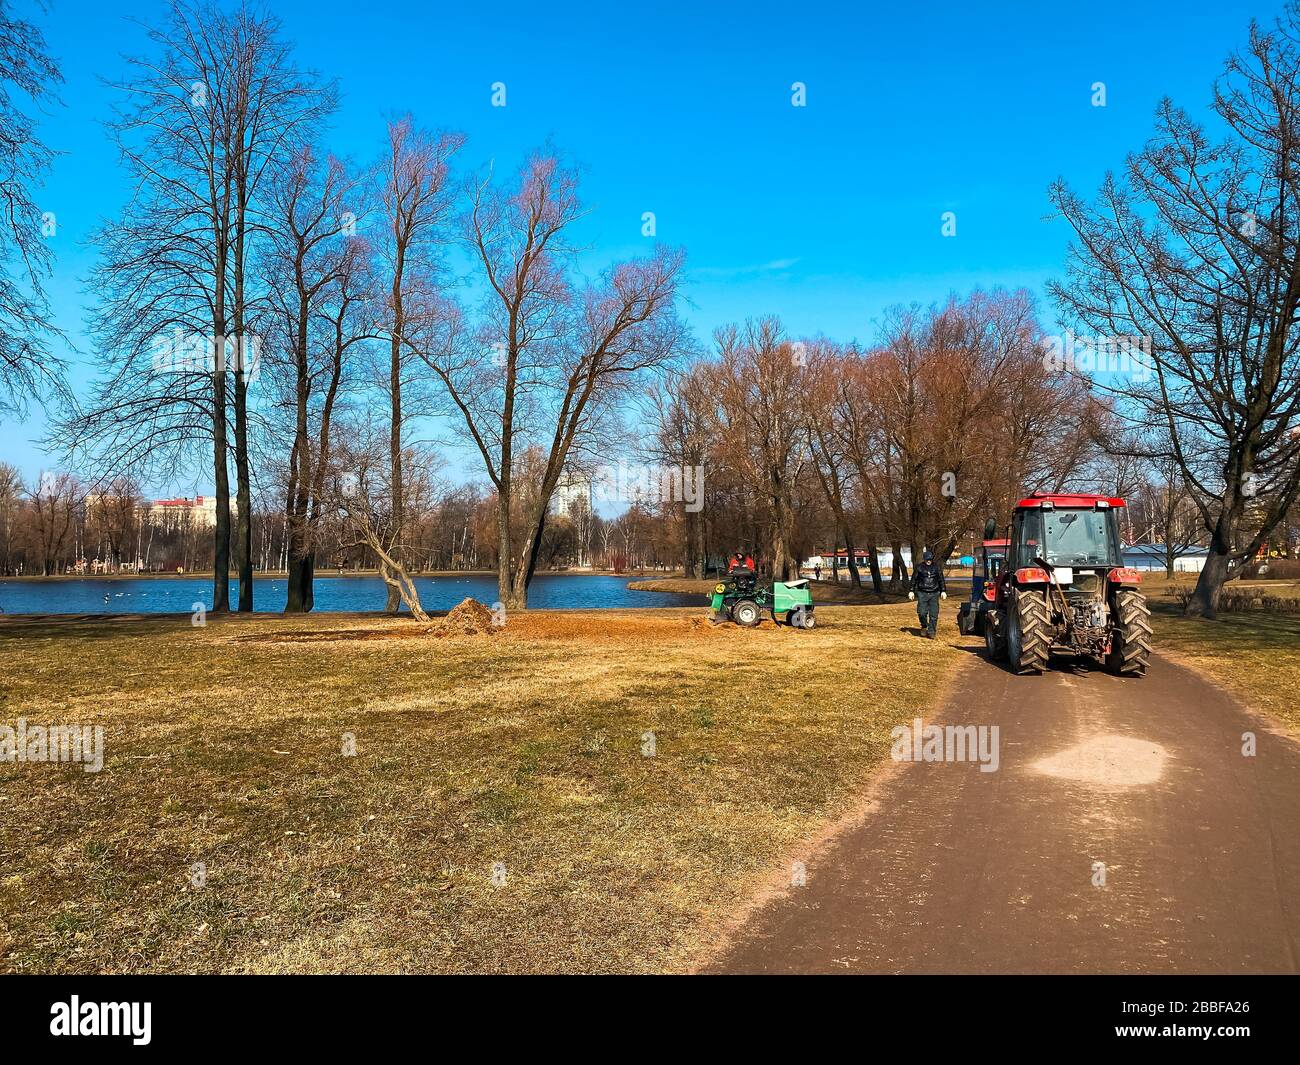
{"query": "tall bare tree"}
pixel 206 117
pixel 759 417
pixel 678 413
pixel 417 200
pixel 548 361
pixel 28 77
pixel 321 313
pixel 1195 247
pixel 828 409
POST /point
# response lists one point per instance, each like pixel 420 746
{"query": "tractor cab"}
pixel 983 586
pixel 1068 533
pixel 987 568
pixel 1064 585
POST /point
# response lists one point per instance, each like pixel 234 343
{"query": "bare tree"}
pixel 416 197
pixel 321 306
pixel 113 517
pixel 548 362
pixel 206 117
pixel 11 493
pixel 678 412
pixel 1192 251
pixel 27 367
pixel 758 380
pixel 55 500
pixel 828 409
pixel 363 498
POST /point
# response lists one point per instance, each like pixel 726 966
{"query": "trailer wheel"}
pixel 1130 646
pixel 994 645
pixel 745 612
pixel 795 617
pixel 1027 632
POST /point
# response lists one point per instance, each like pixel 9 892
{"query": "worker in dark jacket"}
pixel 928 588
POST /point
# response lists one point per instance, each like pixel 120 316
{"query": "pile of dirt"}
pixel 468 618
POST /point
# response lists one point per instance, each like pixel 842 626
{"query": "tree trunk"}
pixel 509 597
pixel 395 427
pixel 300 570
pixel 855 578
pixel 309 580
pixel 692 533
pixel 1204 602
pixel 873 561
pixel 898 572
pixel 221 529
pixel 243 490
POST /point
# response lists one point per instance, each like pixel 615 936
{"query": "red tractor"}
pixel 1065 586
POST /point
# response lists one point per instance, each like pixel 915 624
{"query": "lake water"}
pixel 147 595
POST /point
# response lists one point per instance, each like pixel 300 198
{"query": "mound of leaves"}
pixel 468 618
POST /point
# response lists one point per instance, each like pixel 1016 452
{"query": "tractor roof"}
pixel 1068 501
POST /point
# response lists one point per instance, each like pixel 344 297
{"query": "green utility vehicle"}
pixel 738 598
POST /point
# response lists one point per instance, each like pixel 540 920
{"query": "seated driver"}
pixel 741 563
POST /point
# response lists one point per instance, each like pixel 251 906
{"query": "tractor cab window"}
pixel 1028 541
pixel 1066 538
pixel 1078 538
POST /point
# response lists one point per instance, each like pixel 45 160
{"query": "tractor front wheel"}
pixel 1027 632
pixel 1130 644
pixel 746 613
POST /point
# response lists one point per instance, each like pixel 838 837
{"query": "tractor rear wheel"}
pixel 1027 632
pixel 1130 646
pixel 745 612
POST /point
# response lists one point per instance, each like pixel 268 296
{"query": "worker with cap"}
pixel 928 588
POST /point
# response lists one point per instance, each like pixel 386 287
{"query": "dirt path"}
pixel 959 870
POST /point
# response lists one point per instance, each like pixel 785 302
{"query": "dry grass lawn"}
pixel 1254 655
pixel 224 745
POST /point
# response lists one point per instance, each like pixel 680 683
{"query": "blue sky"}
pixel 824 214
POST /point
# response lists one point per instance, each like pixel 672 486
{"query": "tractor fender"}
pixel 1124 577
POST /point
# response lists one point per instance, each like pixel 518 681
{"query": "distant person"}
pixel 928 588
pixel 817 572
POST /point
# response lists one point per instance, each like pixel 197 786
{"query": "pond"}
pixel 161 595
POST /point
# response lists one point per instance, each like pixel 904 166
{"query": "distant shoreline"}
pixel 279 575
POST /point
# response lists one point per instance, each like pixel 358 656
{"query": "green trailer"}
pixel 741 600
